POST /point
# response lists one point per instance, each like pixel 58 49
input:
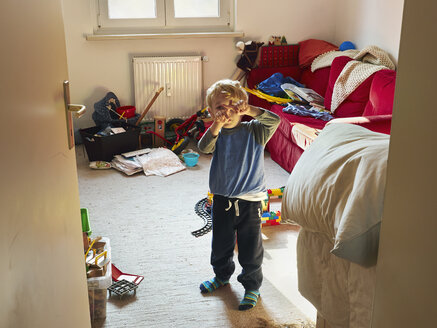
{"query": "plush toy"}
pixel 249 54
pixel 274 40
pixel 277 40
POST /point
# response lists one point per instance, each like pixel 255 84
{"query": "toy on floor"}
pixel 195 126
pixel 96 258
pixel 268 218
pixel 203 209
pixel 122 287
pixel 271 218
pixel 123 283
pixel 100 165
pixel 117 275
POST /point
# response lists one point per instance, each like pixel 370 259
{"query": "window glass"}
pixel 163 16
pixel 196 8
pixel 131 9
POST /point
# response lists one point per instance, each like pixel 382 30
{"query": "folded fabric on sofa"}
pixel 302 110
pixel 325 59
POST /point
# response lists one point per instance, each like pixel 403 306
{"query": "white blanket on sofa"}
pixel 326 59
pixel 366 62
pixel 337 188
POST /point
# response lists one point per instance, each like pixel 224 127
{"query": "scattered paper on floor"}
pixel 161 162
pixel 128 166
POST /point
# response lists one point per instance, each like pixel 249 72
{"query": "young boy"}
pixel 236 179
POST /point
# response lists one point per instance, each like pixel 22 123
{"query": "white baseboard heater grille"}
pixel 181 78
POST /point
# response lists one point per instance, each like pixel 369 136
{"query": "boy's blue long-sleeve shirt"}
pixel 237 165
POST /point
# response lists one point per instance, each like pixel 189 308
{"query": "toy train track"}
pixel 204 211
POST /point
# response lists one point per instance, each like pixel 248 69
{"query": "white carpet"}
pixel 149 222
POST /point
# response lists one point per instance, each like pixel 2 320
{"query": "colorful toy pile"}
pixel 270 218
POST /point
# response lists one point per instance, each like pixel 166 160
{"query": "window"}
pixel 160 16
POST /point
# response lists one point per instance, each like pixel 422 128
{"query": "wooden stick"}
pixel 149 105
pixel 119 116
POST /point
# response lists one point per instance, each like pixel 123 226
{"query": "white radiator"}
pixel 181 78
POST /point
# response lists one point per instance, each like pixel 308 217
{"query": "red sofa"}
pixel 370 105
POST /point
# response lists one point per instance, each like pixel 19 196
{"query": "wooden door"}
pixel 42 266
pixel 406 274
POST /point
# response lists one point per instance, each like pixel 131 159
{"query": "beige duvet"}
pixel 335 193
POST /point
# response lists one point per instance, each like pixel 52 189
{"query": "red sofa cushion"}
pixel 311 48
pixel 355 103
pixel 382 93
pixel 317 80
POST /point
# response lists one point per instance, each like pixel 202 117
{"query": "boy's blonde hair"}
pixel 232 89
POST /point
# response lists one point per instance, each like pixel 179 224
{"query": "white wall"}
pixel 96 67
pixel 370 22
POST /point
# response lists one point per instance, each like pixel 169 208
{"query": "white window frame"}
pixel 165 21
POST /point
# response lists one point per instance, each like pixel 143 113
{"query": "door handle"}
pixel 77 110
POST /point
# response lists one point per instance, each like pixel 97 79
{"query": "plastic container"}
pixel 191 159
pixel 104 148
pixel 98 287
pixel 126 111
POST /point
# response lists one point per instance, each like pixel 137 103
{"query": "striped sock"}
pixel 209 286
pixel 249 301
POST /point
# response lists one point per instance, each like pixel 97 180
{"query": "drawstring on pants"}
pixel 237 209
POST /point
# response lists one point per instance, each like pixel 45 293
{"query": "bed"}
pixel 335 193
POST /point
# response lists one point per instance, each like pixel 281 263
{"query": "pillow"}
pixel 337 189
pixel 311 48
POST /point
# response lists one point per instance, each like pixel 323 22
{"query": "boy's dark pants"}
pixel 242 222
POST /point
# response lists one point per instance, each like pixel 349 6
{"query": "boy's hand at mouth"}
pixel 222 116
pixel 239 107
pixel 242 108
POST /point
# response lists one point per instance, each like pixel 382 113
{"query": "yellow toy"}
pixel 267 97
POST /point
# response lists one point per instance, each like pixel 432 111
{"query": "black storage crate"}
pixel 104 148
